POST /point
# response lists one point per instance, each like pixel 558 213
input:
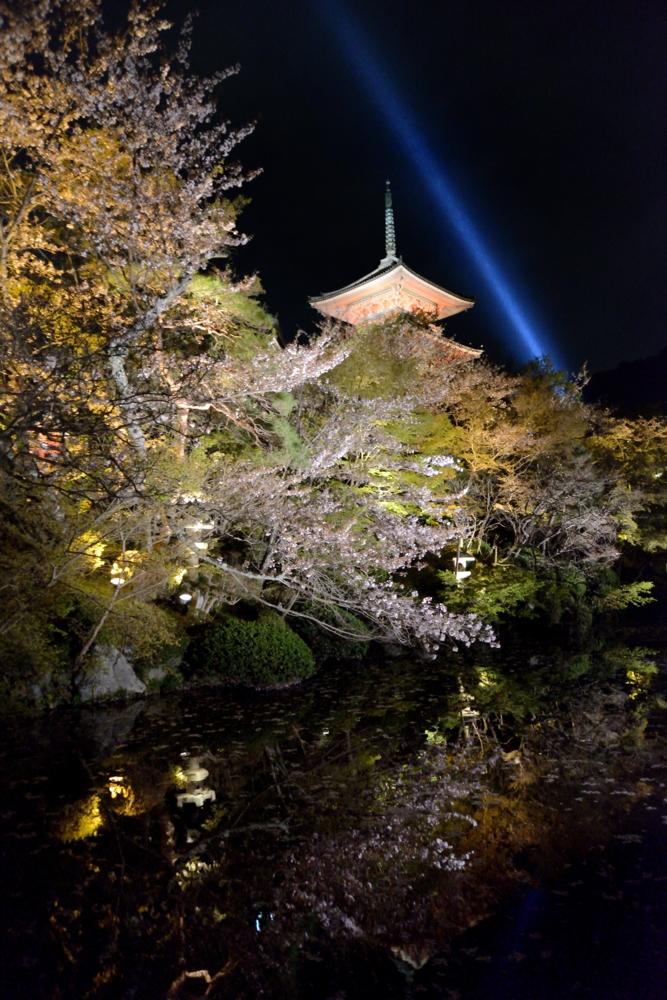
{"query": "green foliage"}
pixel 638 450
pixel 152 631
pixel 379 364
pixel 640 669
pixel 240 301
pixel 144 403
pixel 492 592
pixel 506 590
pixel 262 653
pixel 292 451
pixel 429 433
pixel 38 653
pixel 246 324
pixel 325 644
pixel 34 667
pixel 549 403
pixel 522 689
pixel 629 594
pixel 564 592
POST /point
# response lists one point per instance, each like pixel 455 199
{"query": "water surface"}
pixel 490 827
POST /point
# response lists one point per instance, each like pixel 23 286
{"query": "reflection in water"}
pixel 81 820
pixel 327 841
pixel 123 799
pixel 195 793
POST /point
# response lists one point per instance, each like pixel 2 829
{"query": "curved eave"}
pixel 379 272
pixel 471 352
pixel 453 346
pixel 382 272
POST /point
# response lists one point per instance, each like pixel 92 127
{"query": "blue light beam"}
pixel 396 115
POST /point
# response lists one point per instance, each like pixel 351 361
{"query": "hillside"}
pixel 633 388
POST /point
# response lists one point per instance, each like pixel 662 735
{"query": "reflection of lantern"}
pixel 123 799
pixel 195 792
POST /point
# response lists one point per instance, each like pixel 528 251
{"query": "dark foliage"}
pixel 325 644
pixel 258 652
pixel 632 389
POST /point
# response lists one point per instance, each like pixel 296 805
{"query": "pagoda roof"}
pixel 391 287
pixel 446 349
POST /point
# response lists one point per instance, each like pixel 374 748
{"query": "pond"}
pixel 491 824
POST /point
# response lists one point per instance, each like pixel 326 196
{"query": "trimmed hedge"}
pixel 256 652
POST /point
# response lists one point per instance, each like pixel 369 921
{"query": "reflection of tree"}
pixel 332 840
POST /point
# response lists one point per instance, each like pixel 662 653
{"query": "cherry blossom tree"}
pixel 156 440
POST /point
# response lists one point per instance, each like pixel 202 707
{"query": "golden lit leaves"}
pixel 90 544
pixel 81 819
pixel 428 433
pixel 400 509
pixel 123 799
pixel 641 672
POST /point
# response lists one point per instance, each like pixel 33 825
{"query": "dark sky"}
pixel 549 116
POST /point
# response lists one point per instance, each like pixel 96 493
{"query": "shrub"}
pixel 256 652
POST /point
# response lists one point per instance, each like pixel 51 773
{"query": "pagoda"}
pixel 392 287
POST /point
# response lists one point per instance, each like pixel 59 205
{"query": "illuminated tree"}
pixel 154 439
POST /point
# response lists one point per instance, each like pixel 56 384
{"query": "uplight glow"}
pixel 528 342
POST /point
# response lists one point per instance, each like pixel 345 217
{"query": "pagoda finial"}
pixel 389 231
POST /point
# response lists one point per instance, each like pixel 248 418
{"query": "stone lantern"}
pixel 195 792
pixel 461 563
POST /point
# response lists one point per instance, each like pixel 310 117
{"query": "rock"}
pixel 111 674
pixel 102 730
pixel 155 674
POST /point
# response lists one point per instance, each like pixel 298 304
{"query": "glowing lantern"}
pixel 461 571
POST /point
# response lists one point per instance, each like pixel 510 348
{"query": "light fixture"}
pixel 198 526
pixel 461 563
pixel 121 573
pixel 464 560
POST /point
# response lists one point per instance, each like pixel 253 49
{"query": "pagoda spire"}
pixel 392 288
pixel 389 231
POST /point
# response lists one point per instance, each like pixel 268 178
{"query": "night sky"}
pixel 548 119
